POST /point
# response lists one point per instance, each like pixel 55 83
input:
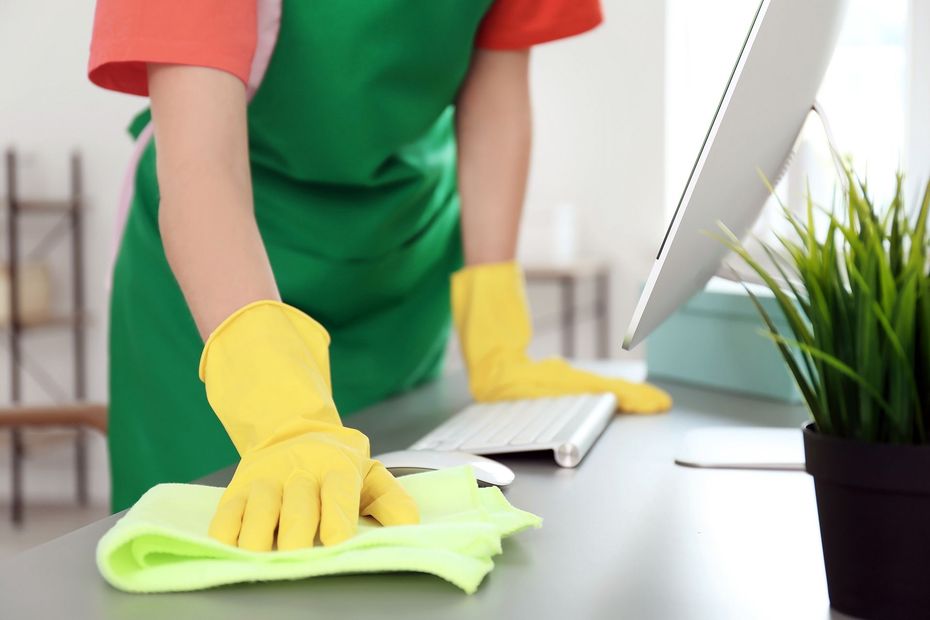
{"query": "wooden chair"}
pixel 77 416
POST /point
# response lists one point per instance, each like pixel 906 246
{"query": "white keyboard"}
pixel 567 425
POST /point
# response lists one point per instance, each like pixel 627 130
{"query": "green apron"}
pixel 353 165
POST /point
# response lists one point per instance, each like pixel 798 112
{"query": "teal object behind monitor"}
pixel 715 341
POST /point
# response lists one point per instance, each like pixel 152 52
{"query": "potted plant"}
pixel 857 300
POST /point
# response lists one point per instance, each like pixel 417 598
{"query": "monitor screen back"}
pixel 766 101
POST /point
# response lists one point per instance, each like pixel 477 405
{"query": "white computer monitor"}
pixel 766 101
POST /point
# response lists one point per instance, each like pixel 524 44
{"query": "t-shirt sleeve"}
pixel 208 33
pixel 519 24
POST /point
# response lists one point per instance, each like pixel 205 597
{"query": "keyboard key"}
pixel 451 428
pixel 492 419
pixel 539 420
pixel 498 417
pixel 520 415
pixel 569 413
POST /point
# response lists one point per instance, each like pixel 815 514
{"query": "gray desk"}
pixel 627 535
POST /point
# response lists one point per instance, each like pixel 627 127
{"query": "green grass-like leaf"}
pixel 857 304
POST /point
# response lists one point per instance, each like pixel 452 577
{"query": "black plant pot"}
pixel 874 506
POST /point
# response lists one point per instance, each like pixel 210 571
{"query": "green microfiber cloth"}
pixel 161 544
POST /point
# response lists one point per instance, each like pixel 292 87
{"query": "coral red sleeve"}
pixel 519 24
pixel 130 33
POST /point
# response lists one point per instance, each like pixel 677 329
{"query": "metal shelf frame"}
pixel 70 224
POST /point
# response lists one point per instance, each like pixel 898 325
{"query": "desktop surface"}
pixel 627 534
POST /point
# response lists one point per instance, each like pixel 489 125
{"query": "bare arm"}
pixel 494 131
pixel 206 214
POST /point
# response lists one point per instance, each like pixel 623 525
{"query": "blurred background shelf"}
pixel 39 207
pixel 90 415
pixel 568 276
pixel 47 322
pixel 77 414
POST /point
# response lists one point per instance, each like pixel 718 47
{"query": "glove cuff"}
pixel 266 372
pixel 490 311
pixel 231 319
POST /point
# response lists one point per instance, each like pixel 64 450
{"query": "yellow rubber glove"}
pixel 493 323
pixel 266 370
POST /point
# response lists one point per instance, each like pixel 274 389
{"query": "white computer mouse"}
pixel 487 472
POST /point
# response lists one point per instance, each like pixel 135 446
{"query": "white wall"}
pixel 600 142
pixel 48 108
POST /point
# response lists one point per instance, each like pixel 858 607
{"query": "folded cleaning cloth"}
pixel 161 544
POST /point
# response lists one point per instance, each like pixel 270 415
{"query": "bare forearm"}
pixel 214 249
pixel 206 214
pixel 494 130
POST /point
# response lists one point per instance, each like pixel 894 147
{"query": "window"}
pixel 864 96
pixel 864 93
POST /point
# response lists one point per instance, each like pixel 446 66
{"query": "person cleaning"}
pixel 318 172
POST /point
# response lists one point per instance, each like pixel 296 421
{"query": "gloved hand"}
pixel 266 370
pixel 492 320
